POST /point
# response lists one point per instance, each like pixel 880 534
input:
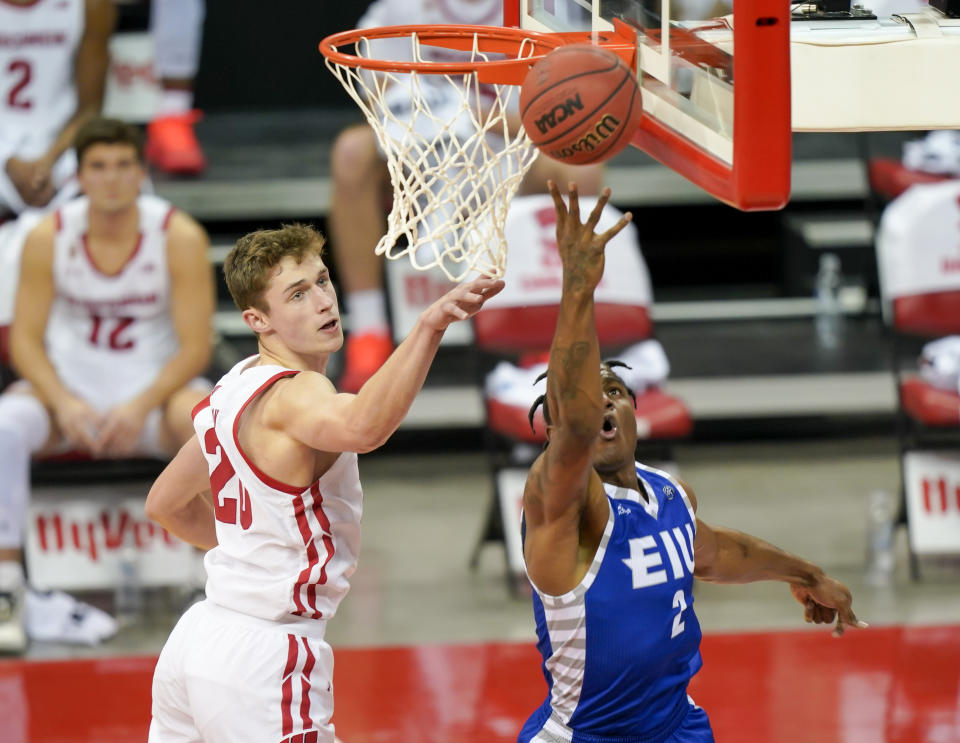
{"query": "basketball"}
pixel 580 104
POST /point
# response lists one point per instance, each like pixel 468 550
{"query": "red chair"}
pixel 519 324
pixel 918 254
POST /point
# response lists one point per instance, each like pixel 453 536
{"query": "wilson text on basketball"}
pixel 602 130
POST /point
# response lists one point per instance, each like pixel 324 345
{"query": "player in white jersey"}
pixel 612 547
pixel 270 485
pixel 111 329
pixel 53 63
pixel 361 180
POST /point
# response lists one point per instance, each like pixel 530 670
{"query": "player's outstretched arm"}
pixel 723 555
pixel 364 421
pixel 180 498
pixel 562 479
pixel 574 396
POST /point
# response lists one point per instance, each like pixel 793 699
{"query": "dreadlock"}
pixel 611 364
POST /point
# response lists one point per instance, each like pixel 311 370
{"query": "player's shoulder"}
pixel 691 495
pixel 545 482
pixel 308 381
pixel 184 232
pixel 37 255
pixel 293 387
pixel 284 400
pixel 44 232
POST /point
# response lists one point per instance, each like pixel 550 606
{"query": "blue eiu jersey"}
pixel 620 648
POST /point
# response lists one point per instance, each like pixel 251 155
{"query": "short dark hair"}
pixel 542 399
pixel 101 130
pixel 247 266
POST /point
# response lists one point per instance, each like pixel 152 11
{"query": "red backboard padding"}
pixel 929 405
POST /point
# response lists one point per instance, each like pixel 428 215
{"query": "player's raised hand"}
pixel 461 302
pixel 581 248
pixel 826 600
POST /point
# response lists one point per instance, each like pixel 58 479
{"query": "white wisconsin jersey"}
pixel 110 334
pixel 283 553
pixel 38 44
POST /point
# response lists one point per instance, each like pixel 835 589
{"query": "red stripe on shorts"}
pixel 287 699
pixel 312 736
pixel 305 686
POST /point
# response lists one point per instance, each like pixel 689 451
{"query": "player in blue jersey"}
pixel 612 547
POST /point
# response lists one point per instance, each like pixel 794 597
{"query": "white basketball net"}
pixel 454 163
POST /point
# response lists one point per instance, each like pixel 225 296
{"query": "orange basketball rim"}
pixel 522 49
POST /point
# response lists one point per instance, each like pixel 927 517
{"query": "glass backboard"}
pixel 723 124
pixel 724 119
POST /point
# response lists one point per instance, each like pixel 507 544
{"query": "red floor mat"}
pixel 882 685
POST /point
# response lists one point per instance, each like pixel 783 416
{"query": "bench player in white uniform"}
pixel 270 485
pixel 360 181
pixel 53 63
pixel 112 328
pixel 612 547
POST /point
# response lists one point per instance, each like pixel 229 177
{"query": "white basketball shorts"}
pixel 224 677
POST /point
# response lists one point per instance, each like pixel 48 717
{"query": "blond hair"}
pixel 248 264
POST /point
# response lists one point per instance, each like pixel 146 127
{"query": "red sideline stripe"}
pixel 312 557
pixel 58 220
pixel 305 686
pixel 288 685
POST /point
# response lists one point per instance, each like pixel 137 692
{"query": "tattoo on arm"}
pixel 571 364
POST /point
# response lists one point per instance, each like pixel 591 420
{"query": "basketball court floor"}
pixel 427 650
